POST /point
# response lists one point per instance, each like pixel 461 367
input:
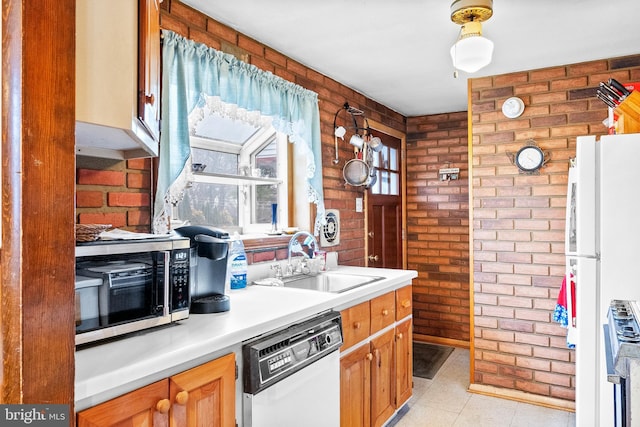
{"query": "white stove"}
pixel 622 347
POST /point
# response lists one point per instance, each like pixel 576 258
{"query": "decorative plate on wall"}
pixel 513 107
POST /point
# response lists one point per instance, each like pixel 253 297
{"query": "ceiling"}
pixel 396 52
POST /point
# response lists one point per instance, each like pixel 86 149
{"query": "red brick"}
pixel 89 199
pixel 138 180
pixel 555 379
pixel 100 177
pixel 540 340
pixel 264 256
pixel 192 16
pixel 532 387
pixel 563 393
pixel 128 199
pixel 118 219
pixel 513 372
pixel 532 363
pixel 139 217
pixel 140 164
pixel 515 348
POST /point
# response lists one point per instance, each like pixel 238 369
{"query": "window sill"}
pixel 254 242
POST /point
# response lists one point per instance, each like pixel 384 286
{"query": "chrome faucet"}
pixel 295 247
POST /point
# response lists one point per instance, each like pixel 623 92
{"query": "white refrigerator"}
pixel 603 251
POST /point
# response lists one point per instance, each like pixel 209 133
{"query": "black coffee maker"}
pixel 208 269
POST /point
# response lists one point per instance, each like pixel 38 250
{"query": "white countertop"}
pixel 108 370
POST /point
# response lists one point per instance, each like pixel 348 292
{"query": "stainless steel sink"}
pixel 330 281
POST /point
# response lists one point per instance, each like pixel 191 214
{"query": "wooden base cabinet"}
pixel 383 378
pixel 404 361
pixel 202 396
pixel 376 378
pixel 355 388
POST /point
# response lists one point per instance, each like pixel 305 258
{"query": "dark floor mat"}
pixel 428 358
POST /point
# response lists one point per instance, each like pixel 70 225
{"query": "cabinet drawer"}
pixel 383 311
pixel 355 324
pixel 404 302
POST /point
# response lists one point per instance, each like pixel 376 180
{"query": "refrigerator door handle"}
pixel 596 256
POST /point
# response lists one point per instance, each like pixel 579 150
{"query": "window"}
pixel 388 172
pixel 239 173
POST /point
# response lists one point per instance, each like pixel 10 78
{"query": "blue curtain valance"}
pixel 191 70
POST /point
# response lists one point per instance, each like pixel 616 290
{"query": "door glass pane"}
pixel 375 161
pixel 375 188
pixel 385 158
pixel 393 159
pixel 384 186
pixel 394 185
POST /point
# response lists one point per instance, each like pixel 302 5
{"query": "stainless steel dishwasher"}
pixel 291 378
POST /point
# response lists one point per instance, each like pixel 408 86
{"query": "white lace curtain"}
pixel 194 73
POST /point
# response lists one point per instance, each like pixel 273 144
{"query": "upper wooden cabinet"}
pixel 107 118
pixel 149 66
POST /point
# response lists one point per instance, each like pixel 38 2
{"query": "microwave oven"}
pixel 125 286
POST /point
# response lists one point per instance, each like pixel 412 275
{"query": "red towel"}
pixel 562 296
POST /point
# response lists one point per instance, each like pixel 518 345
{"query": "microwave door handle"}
pixel 167 285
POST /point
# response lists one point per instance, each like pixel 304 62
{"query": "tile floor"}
pixel 445 402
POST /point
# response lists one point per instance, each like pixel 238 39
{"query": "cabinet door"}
pixel 137 408
pixel 355 386
pixel 383 378
pixel 404 362
pixel 205 395
pixel 383 311
pixel 149 66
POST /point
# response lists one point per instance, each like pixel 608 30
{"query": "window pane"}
pixel 375 159
pixel 394 185
pixel 216 161
pixel 213 204
pixel 385 158
pixel 266 195
pixel 375 188
pixel 385 183
pixel 267 160
pixel 393 159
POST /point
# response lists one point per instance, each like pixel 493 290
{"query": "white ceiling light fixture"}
pixel 471 51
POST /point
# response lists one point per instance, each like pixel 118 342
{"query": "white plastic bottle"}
pixel 237 263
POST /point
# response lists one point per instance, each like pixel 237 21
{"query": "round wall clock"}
pixel 513 107
pixel 529 158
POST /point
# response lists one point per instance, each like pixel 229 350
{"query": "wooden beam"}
pixel 38 189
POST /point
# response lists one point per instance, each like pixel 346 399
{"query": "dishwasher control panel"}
pixel 272 357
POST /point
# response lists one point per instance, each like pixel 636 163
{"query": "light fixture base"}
pixel 463 11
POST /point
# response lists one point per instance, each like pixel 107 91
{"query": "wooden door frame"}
pixel 37 265
pixel 377 126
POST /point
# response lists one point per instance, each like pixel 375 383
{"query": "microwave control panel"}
pixel 179 277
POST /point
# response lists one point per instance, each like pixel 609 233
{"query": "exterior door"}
pixel 385 206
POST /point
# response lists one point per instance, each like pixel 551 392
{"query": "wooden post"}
pixel 38 191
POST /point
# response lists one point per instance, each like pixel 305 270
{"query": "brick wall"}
pixel 332 95
pixel 438 225
pixel 518 220
pixel 114 192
